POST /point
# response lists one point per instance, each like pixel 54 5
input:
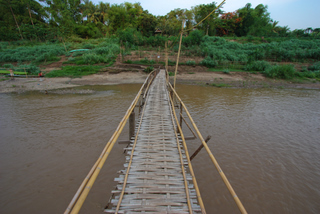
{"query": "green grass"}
pixel 15 72
pixel 3 79
pixel 75 71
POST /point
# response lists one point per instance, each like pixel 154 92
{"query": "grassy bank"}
pixel 277 58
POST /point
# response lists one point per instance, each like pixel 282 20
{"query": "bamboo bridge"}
pixel 158 176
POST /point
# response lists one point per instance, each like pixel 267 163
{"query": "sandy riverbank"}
pixel 234 79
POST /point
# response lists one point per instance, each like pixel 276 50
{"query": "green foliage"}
pixel 148 69
pixel 145 61
pixel 191 62
pixel 280 72
pixel 286 50
pixel 315 67
pixel 75 71
pixel 194 38
pixel 38 53
pixel 209 62
pixel 29 68
pixel 257 66
pixel 226 71
pixel 8 72
pixel 88 46
pixel 92 58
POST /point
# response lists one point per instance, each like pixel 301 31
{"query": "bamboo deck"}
pixel 156 170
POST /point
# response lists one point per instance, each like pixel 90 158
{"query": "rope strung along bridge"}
pixel 158 175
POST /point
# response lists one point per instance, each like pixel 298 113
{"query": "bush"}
pixel 37 53
pixel 74 71
pixel 315 67
pixel 88 46
pixel 257 66
pixel 92 58
pixel 280 72
pixel 209 62
pixel 148 69
pixel 190 62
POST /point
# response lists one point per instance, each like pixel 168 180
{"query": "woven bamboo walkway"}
pixel 156 173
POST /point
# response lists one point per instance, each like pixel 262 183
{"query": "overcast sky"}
pixel 296 14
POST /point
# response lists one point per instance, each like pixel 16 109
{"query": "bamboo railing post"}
pixel 181 115
pixel 131 124
pixel 177 63
pixel 200 147
pixel 166 59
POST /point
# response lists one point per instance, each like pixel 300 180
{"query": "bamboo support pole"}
pixel 181 115
pixel 200 147
pixel 132 124
pixel 81 194
pixel 177 63
pixel 166 59
pixel 203 211
pixel 194 134
pixel 213 159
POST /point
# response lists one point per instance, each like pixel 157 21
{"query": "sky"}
pixel 296 14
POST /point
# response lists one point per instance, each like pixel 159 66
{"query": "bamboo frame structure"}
pixel 81 194
pixel 213 159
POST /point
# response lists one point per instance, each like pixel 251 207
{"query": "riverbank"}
pixel 190 75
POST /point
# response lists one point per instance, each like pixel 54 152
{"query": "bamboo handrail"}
pixel 130 162
pixel 203 211
pixel 213 159
pixel 81 194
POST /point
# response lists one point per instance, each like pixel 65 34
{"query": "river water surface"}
pixel 267 142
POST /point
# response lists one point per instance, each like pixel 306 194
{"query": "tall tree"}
pixel 209 24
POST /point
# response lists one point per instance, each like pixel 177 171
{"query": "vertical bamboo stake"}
pixel 132 124
pixel 181 115
pixel 175 73
pixel 166 60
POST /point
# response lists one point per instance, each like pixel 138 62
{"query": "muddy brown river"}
pixel 267 142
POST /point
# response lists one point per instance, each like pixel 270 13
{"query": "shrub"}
pixel 92 58
pixel 226 71
pixel 190 62
pixel 280 72
pixel 148 69
pixel 315 67
pixel 88 46
pixel 74 71
pixel 257 66
pixel 209 62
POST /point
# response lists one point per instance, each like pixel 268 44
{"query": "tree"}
pixel 64 14
pixel 208 25
pixel 147 24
